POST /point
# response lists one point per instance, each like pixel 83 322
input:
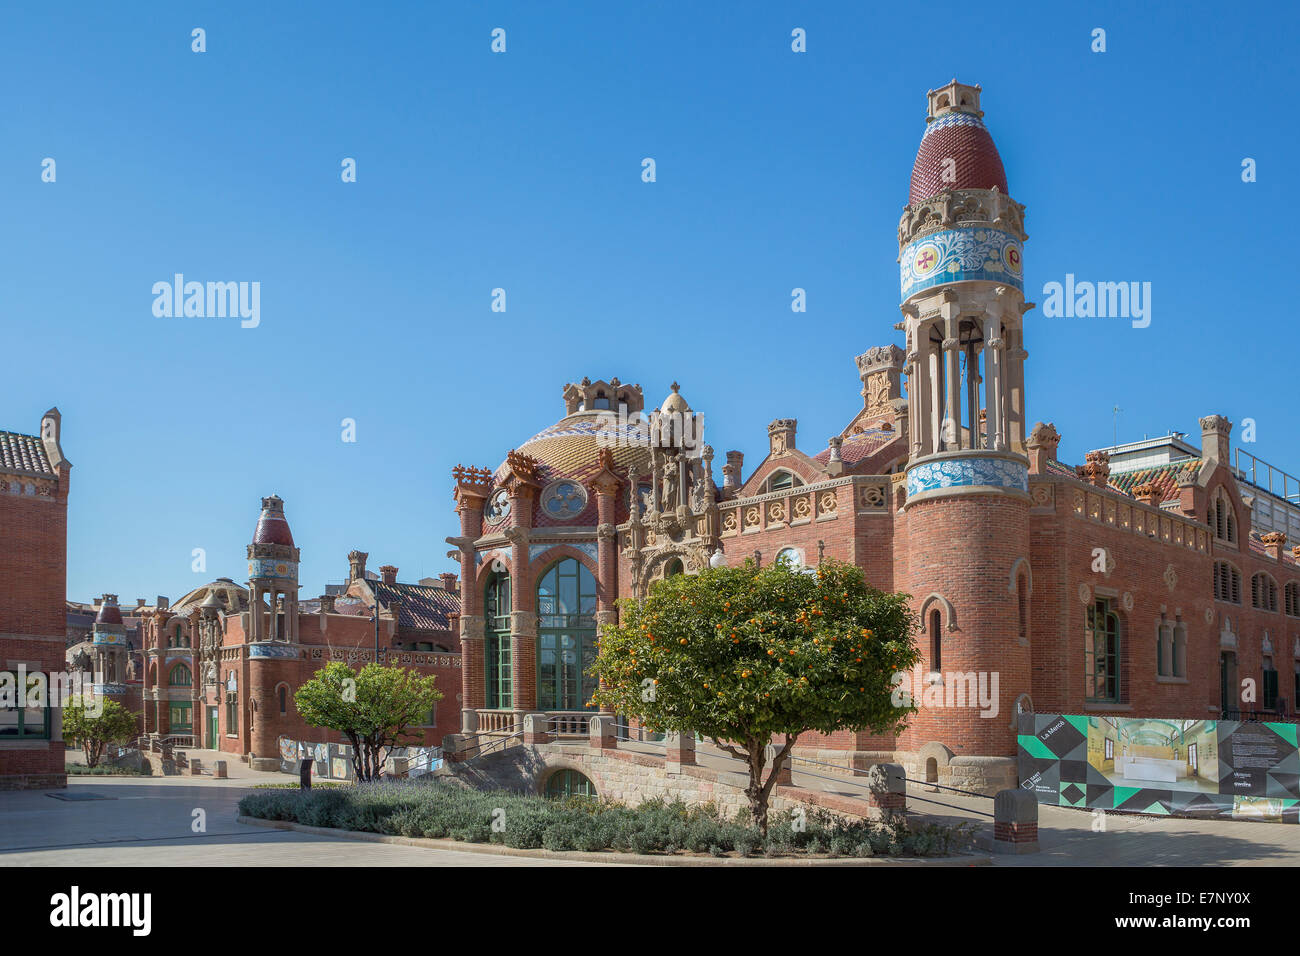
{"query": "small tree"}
pixel 113 725
pixel 374 709
pixel 741 656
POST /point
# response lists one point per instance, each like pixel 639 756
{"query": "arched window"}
pixel 1164 649
pixel 284 700
pixel 180 676
pixel 1101 653
pixel 1292 592
pixel 1222 519
pixel 936 642
pixel 674 567
pixel 791 557
pixel 1180 649
pixel 783 480
pixel 1227 583
pixel 496 642
pixel 1022 607
pixel 1263 592
pixel 566 636
pixel 569 783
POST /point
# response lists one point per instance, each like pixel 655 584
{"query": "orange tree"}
pixel 742 656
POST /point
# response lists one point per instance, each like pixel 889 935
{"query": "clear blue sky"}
pixel 522 171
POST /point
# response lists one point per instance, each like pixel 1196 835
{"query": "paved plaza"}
pixel 151 821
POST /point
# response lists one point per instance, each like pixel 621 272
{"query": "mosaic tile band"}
pixel 270 568
pixel 967 472
pixel 960 255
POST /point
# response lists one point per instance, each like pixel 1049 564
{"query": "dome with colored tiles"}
pixel 956 151
pixel 109 611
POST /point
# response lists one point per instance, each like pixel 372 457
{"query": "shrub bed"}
pixel 445 811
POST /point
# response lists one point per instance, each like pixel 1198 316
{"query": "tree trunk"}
pixel 756 792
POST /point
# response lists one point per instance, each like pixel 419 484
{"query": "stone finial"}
pixel 327 603
pixel 357 565
pixel 1273 543
pixel 1043 442
pixel 388 574
pixel 880 369
pixel 1096 471
pixel 1215 430
pixel 953 97
pixel 732 469
pixel 1146 493
pixel 780 435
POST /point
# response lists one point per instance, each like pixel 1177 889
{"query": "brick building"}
pixel 222 664
pixel 34 478
pixel 1153 587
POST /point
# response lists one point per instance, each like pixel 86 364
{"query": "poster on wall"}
pixel 1162 765
pixel 329 761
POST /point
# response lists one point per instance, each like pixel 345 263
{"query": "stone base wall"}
pixel 632 778
pixel 33 781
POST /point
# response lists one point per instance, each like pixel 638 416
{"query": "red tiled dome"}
pixel 272 528
pixel 108 614
pixel 962 138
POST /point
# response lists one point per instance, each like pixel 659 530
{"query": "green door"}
pixel 212 729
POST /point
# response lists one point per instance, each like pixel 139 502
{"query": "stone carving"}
pixel 1171 577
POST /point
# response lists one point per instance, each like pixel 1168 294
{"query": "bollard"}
pixel 1015 822
pixel 304 773
pixel 220 771
pixel 600 733
pixel 679 751
pixel 196 766
pixel 887 788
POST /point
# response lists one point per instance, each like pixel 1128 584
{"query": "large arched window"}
pixel 1263 592
pixel 496 642
pixel 1222 519
pixel 569 783
pixel 566 636
pixel 1227 583
pixel 783 481
pixel 1292 592
pixel 180 676
pixel 1101 658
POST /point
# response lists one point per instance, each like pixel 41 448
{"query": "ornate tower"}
pixel 273 574
pixel 108 640
pixel 962 290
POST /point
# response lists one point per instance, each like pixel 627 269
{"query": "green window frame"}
pixel 566 636
pixel 180 717
pixel 569 783
pixel 1102 653
pixel 496 643
pixel 1270 685
pixel 232 715
pixel 180 676
pixel 20 722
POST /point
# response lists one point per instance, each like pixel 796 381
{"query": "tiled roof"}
pixel 1165 478
pixel 858 447
pixel 23 453
pixel 956 152
pixel 422 606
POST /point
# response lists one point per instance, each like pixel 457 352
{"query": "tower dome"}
pixel 272 528
pixel 956 151
pixel 109 611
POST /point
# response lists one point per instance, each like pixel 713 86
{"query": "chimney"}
pixel 448 580
pixel 388 574
pixel 139 602
pixel 1273 542
pixel 835 465
pixel 732 469
pixel 163 603
pixel 1042 445
pixel 780 435
pixel 327 603
pixel 1214 438
pixel 98 601
pixel 357 566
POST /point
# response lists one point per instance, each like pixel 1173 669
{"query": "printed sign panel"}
pixel 1162 766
